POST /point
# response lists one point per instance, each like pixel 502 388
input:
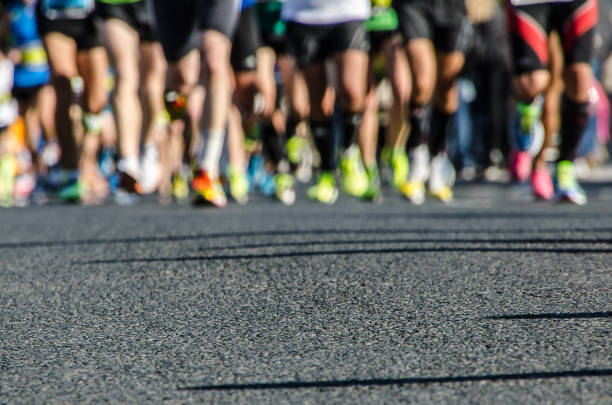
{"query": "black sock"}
pixel 574 119
pixel 351 122
pixel 441 124
pixel 324 140
pixel 272 142
pixel 291 126
pixel 419 126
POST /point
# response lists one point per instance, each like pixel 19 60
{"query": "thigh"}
pixel 62 54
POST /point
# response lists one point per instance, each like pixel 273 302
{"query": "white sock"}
pixel 130 166
pixel 212 152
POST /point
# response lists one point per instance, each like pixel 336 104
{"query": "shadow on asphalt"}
pixel 300 232
pixel 401 381
pixel 576 315
pixel 437 249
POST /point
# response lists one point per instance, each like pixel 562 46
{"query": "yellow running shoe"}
pixel 325 190
pixel 354 178
pixel 239 186
pixel 400 165
pixel 284 188
pixel 414 190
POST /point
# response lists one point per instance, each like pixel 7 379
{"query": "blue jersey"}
pixel 33 69
pixel 247 4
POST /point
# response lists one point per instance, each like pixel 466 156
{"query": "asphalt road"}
pixel 494 298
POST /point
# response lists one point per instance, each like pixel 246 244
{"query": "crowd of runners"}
pixel 203 101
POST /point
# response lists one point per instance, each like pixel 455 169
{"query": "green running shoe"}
pixel 8 170
pixel 373 192
pixel 239 186
pixel 294 146
pixel 566 184
pixel 284 188
pixel 400 166
pixel 354 178
pixel 325 190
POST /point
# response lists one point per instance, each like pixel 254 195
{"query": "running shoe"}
pixel 180 184
pixel 208 191
pixel 542 184
pixel 127 189
pixel 24 186
pixel 72 191
pixel 373 192
pixel 526 135
pixel 150 171
pixel 284 188
pixel 566 184
pixel 295 144
pixel 414 187
pixel 354 179
pixel 300 157
pixel 400 166
pixel 325 190
pixel 8 169
pixel 239 186
pixel 442 178
pixel 521 163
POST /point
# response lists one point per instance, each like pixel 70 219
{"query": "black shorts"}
pixel 444 22
pixel 378 39
pixel 246 42
pixel 136 15
pixel 25 94
pixel 312 44
pixel 180 23
pixel 272 28
pixel 86 32
pixel 530 25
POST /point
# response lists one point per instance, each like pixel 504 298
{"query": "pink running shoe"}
pixel 520 165
pixel 542 184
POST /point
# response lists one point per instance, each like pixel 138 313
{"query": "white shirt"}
pixel 319 12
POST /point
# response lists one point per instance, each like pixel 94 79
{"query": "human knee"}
pixel 578 82
pixel 529 85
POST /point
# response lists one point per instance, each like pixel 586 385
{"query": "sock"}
pixel 291 126
pixel 272 143
pixel 212 152
pixel 441 124
pixel 419 126
pixel 324 140
pixel 130 165
pixel 350 127
pixel 574 118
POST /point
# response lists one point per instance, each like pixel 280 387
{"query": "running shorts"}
pixel 134 14
pixel 312 44
pixel 85 31
pixel 272 27
pixel 246 42
pixel 444 22
pixel 530 25
pixel 180 23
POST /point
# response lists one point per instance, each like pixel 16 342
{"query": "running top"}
pixel 119 1
pixel 321 12
pixel 66 9
pixel 529 2
pixel 32 69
